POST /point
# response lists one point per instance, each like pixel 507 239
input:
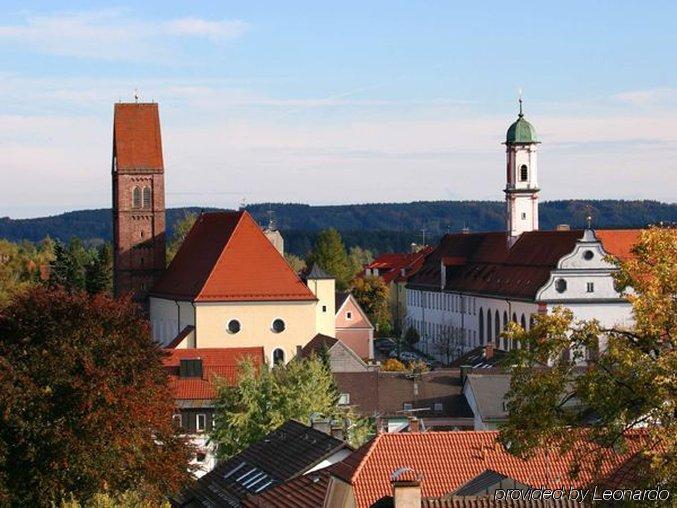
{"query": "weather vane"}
pixel 588 218
pixel 136 95
pixel 519 92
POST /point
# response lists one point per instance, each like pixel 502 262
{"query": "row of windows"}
pixel 200 421
pixel 277 326
pixel 561 286
pixel 493 333
pixel 442 301
pixel 141 198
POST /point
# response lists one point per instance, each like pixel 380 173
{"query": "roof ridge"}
pixel 223 250
pixel 366 456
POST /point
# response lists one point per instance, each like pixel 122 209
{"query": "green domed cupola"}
pixel 521 131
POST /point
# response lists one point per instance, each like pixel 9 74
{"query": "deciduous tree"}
pixel 631 378
pixel 263 399
pixel 84 403
pixel 373 295
pixel 181 229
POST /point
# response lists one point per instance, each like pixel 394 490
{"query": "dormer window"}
pixel 524 173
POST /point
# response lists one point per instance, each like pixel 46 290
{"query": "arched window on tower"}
pixel 481 321
pixel 146 197
pixel 524 173
pixel 136 197
pixel 523 322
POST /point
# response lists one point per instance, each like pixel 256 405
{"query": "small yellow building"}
pixel 228 286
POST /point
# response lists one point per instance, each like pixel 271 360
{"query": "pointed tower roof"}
pixel 137 143
pixel 226 257
pixel 521 131
pixel 316 273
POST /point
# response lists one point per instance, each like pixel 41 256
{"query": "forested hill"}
pixel 381 227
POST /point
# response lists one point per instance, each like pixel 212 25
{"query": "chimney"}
pixel 488 351
pixel 298 351
pixel 406 485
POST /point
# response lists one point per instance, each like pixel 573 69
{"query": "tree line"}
pixel 380 227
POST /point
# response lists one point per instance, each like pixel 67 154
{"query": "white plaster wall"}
pixel 169 317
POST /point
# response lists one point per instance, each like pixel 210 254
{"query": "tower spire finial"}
pixel 521 114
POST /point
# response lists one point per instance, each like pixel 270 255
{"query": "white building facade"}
pixel 472 285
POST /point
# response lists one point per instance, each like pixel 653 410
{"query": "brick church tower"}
pixel 138 199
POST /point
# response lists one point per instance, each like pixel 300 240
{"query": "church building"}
pixel 229 285
pixel 473 284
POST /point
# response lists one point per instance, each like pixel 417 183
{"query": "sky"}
pixel 338 102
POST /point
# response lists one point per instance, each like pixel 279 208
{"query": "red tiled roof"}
pixel 216 362
pixel 447 460
pixel 137 143
pixel 226 257
pixel 305 491
pixel 390 265
pixel 483 263
pixel 619 242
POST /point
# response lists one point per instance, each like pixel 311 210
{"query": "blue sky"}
pixel 350 102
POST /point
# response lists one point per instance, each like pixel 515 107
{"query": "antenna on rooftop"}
pixel 272 226
pixel 136 95
pixel 588 218
pixel 423 235
pixel 243 203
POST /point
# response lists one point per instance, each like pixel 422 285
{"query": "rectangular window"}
pixel 591 287
pixel 438 406
pixel 324 308
pixel 349 315
pixel 200 456
pixel 177 420
pixel 201 422
pixel 407 406
pixel 344 399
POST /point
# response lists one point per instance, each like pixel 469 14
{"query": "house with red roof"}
pixel 228 286
pixel 193 375
pixel 471 285
pixel 394 269
pixel 462 467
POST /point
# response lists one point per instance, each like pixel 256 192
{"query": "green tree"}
pixel 373 295
pixel 358 257
pixel 85 405
pixel 297 264
pixel 181 229
pixel 99 271
pixel 630 381
pixel 330 254
pixel 264 398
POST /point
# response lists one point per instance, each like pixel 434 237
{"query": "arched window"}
pixel 523 322
pixel 505 319
pixel 481 321
pixel 146 197
pixel 497 329
pixel 278 357
pixel 136 197
pixel 514 317
pixel 489 326
pixel 524 173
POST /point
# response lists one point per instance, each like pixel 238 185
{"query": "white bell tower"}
pixel 521 189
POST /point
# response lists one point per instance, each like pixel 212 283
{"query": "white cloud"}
pixel 223 141
pixel 660 97
pixel 114 35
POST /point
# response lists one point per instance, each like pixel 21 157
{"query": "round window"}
pixel 588 254
pixel 233 326
pixel 278 326
pixel 561 285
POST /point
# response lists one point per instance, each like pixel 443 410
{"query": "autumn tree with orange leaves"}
pixel 629 384
pixel 85 407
